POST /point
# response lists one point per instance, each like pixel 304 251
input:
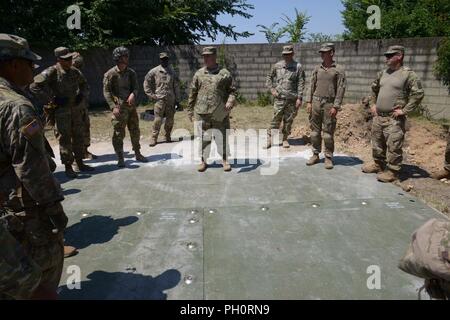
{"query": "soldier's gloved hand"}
pixel 57 216
pixel 78 98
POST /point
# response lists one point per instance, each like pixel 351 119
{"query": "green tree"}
pixel 114 22
pixel 295 28
pixel 272 35
pixel 321 37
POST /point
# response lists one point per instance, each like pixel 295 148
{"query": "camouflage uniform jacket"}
pixel 57 82
pixel 211 90
pixel 19 274
pixel 411 94
pixel 162 83
pixel 328 83
pixel 118 85
pixel 26 180
pixel 287 79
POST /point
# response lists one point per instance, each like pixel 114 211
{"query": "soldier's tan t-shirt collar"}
pixel 333 65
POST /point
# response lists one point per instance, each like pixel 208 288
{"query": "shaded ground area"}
pixel 163 231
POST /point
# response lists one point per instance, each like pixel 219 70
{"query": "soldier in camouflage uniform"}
pixel 444 173
pixel 65 87
pixel 396 92
pixel 78 63
pixel 211 99
pixel 324 101
pixel 161 84
pixel 29 194
pixel 286 82
pixel 120 89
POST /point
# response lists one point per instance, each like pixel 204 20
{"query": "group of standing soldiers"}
pixel 32 219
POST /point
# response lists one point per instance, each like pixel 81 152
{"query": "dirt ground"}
pixel 423 152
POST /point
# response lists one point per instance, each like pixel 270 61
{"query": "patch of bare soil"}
pixel 424 150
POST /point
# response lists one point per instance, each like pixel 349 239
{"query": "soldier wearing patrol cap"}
pixel 286 82
pixel 120 89
pixel 65 88
pixel 78 62
pixel 324 100
pixel 161 85
pixel 211 99
pixel 29 194
pixel 396 92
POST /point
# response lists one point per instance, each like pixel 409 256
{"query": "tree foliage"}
pixel 272 35
pixel 403 19
pixel 295 28
pixel 106 23
pixel 321 37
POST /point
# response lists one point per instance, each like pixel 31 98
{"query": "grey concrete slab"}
pixel 136 239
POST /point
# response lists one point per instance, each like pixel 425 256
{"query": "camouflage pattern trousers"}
pixel 284 111
pixel 68 121
pixel 447 153
pixel 34 233
pixel 163 109
pixel 388 135
pixel 86 124
pixel 322 125
pixel 213 129
pixel 128 118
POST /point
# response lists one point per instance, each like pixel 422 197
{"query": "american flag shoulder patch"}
pixel 31 129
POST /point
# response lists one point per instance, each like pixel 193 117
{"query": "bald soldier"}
pixel 286 82
pixel 161 85
pixel 65 87
pixel 324 101
pixel 78 62
pixel 396 92
pixel 29 194
pixel 211 99
pixel 120 89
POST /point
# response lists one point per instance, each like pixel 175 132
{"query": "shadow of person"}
pixel 102 285
pixel 409 171
pixel 95 230
pixel 68 192
pixel 163 157
pixel 303 141
pixel 346 161
pixel 109 157
pixel 243 165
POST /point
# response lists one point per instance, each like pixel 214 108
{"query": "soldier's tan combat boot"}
pixel 120 160
pixel 69 251
pixel 372 168
pixel 202 167
pixel 286 144
pixel 313 160
pixel 152 141
pixel 226 166
pixel 441 174
pixel 88 155
pixel 82 167
pixel 140 157
pixel 69 172
pixel 329 163
pixel 387 176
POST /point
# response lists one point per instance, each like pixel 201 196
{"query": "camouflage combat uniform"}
pixel 289 82
pixel 28 190
pixel 117 87
pixel 447 153
pixel 66 87
pixel 327 89
pixel 162 84
pixel 401 88
pixel 210 91
pixel 19 274
pixel 84 107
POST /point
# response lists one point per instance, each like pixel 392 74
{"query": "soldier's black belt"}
pixel 326 99
pixel 385 114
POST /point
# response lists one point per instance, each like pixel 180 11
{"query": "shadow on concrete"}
pixel 163 157
pixel 68 192
pixel 103 285
pixel 412 172
pixel 346 161
pixel 109 157
pixel 95 230
pixel 303 141
pixel 243 165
